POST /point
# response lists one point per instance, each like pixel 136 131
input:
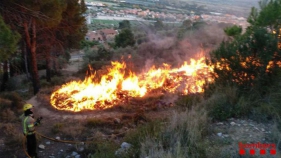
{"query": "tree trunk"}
pixel 48 66
pixel 30 36
pixel 5 76
pixel 25 56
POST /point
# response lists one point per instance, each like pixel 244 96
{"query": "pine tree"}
pixel 8 46
pixel 28 17
pixel 8 41
pixel 125 38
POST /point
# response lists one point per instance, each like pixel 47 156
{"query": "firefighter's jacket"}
pixel 28 125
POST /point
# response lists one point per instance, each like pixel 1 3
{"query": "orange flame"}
pixel 114 87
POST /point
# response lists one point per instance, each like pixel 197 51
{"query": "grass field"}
pixel 98 24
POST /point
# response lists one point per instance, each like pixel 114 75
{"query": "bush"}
pixel 141 133
pixel 250 61
pixel 223 103
pixel 44 83
pixel 189 100
pixel 57 80
pixel 13 137
pixel 5 103
pixel 183 136
pixel 15 98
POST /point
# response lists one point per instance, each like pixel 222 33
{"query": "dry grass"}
pixel 182 136
pixel 5 103
pixel 57 128
pixel 13 136
pixel 7 115
pixel 73 131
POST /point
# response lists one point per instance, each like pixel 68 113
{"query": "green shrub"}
pixel 101 148
pixel 236 63
pixel 57 80
pixel 223 103
pixel 188 100
pixel 222 109
pixel 141 133
pixel 44 83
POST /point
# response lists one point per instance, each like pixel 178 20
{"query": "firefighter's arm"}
pixel 38 121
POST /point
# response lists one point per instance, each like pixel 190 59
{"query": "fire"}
pixel 114 87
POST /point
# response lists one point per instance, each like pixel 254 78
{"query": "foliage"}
pixel 74 24
pixel 158 25
pixel 125 24
pixel 223 103
pixel 101 54
pixel 270 14
pixel 88 44
pixel 136 137
pixel 57 80
pixel 187 101
pixel 233 31
pixel 83 6
pixel 124 39
pixel 189 27
pixel 244 62
pixel 252 18
pixel 251 62
pixel 8 41
pixel 186 24
pixel 49 28
pixel 45 84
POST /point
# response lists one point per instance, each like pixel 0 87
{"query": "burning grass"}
pixel 117 85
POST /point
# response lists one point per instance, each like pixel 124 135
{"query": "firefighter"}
pixel 28 125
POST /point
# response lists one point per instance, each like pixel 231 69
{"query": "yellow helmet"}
pixel 27 106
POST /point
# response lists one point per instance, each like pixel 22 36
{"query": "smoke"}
pixel 165 49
